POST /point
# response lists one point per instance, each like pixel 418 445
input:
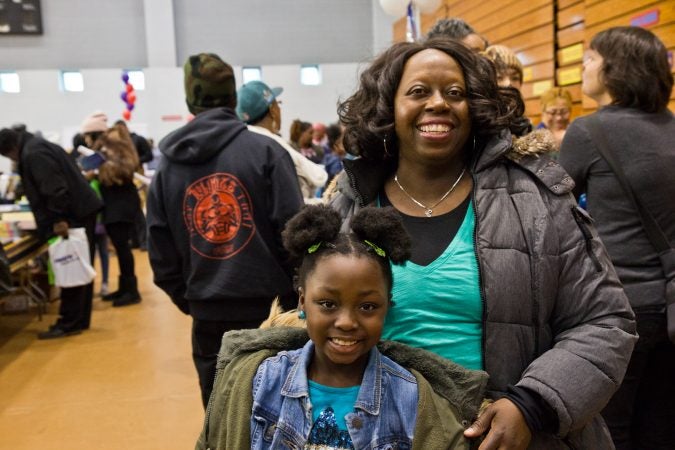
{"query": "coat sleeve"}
pixel 592 324
pixel 165 258
pixel 228 415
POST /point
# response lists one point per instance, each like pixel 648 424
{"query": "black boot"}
pixel 130 296
pixel 117 294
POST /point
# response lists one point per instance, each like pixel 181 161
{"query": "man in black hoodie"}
pixel 216 208
pixel 60 198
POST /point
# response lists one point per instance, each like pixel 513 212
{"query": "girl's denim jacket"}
pixel 384 414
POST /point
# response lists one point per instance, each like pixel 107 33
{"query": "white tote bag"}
pixel 70 259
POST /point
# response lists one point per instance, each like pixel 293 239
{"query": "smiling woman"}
pixel 505 274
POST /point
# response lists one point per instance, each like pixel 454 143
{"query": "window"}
pixel 9 82
pixel 251 74
pixel 72 81
pixel 137 79
pixel 310 75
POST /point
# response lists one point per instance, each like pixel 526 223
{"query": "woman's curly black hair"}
pixel 368 115
pixel 318 227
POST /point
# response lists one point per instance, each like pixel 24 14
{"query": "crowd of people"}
pixel 449 292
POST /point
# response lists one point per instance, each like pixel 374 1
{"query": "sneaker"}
pixel 104 289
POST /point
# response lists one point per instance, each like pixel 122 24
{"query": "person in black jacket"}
pixel 139 233
pixel 121 199
pixel 216 208
pixel 60 198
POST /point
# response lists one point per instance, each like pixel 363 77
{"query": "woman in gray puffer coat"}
pixel 507 274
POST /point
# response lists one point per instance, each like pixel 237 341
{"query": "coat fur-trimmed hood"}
pixel 539 142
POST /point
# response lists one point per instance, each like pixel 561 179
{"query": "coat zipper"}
pixel 480 270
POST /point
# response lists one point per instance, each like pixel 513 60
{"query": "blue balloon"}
pixel 125 77
pixel 130 106
pixel 123 96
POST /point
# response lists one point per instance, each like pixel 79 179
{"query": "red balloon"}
pixel 126 114
pixel 130 88
pixel 131 98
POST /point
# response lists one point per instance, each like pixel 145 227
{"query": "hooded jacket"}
pixel 443 412
pixel 54 186
pixel 216 208
pixel 556 320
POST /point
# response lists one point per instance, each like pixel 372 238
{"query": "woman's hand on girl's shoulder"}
pixel 503 425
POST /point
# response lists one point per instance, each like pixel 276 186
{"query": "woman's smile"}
pixel 435 131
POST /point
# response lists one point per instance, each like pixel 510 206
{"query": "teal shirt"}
pixel 330 405
pixel 438 307
pixel 340 399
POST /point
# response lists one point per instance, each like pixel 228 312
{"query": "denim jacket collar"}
pixel 370 392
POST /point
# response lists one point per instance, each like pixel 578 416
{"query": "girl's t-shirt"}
pixel 330 405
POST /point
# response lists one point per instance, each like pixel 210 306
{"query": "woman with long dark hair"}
pixel 122 203
pixel 626 71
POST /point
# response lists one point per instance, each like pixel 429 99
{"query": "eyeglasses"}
pixel 558 112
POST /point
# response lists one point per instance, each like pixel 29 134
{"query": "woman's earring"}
pixel 386 152
pixel 302 315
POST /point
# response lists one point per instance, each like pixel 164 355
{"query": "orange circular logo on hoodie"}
pixel 218 213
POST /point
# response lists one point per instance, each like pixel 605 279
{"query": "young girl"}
pixel 338 391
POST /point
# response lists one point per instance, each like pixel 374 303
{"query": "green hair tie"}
pixel 377 249
pixel 313 248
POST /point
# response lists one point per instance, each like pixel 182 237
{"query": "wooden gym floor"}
pixel 128 383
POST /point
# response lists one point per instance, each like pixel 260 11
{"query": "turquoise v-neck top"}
pixel 438 307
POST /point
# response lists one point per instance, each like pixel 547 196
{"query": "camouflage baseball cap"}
pixel 209 83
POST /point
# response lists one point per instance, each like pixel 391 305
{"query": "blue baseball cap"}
pixel 254 100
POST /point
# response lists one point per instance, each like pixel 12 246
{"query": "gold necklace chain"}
pixel 429 210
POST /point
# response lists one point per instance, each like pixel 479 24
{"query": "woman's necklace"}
pixel 429 210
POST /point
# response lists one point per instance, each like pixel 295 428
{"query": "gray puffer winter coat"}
pixel 556 319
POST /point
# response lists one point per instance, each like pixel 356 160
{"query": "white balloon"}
pixel 427 6
pixel 395 8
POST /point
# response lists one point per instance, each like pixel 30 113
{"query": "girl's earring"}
pixel 302 315
pixel 386 151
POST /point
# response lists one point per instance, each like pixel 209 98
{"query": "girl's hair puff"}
pixel 383 226
pixel 317 227
pixel 313 224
